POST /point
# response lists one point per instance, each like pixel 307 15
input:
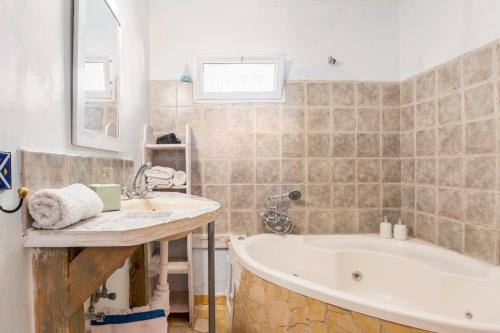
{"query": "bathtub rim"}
pixel 381 310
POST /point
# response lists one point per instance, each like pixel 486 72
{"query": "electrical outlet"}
pixel 5 171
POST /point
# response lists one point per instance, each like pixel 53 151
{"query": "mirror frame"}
pixel 80 136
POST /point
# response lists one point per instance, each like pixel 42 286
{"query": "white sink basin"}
pixel 165 204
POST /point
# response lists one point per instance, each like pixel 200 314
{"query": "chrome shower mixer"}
pixel 276 220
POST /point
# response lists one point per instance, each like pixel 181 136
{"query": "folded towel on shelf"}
pixel 155 182
pixel 137 320
pixel 163 169
pixel 180 178
pixel 160 174
pixel 60 208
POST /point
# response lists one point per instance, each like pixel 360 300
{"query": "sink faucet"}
pixel 139 188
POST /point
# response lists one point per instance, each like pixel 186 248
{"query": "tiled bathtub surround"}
pixel 337 142
pixel 46 170
pixel 450 154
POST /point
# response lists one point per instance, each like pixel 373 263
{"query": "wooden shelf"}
pixel 154 146
pixel 165 188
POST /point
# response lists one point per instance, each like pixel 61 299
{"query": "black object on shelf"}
pixel 169 138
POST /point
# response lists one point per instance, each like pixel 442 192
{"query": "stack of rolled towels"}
pixel 164 177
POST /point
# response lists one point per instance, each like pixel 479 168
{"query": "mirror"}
pixel 96 76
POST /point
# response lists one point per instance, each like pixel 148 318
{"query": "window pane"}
pixel 239 77
pixel 95 76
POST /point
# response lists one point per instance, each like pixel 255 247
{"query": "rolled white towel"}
pixel 180 178
pixel 60 208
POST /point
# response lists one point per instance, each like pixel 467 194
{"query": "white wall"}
pixel 361 34
pixel 435 31
pixel 35 112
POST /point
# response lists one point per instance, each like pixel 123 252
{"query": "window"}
pixel 99 81
pixel 238 78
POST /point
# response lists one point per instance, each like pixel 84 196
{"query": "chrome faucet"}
pixel 139 188
pixel 276 220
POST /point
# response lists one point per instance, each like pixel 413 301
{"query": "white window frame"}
pixel 107 95
pixel 201 96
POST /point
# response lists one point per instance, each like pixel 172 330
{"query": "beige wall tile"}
pixel 480 137
pixel 343 93
pixel 391 94
pixel 391 195
pixel 219 193
pixel 451 235
pixel 319 196
pixel 451 203
pixel 242 222
pixel 242 196
pixel 242 171
pixel 191 116
pixel 368 145
pixel 480 172
pixel 407 144
pixel 79 170
pixel 368 94
pixel 449 77
pixel 408 171
pixel 242 145
pixel 267 171
pixel 426 199
pixel 391 120
pixel 184 94
pixel 211 146
pixel 294 93
pixel 267 145
pixel 320 221
pixel 345 221
pixel 319 145
pixel 163 93
pixel 480 243
pixel 391 145
pixel 480 207
pixel 407 92
pixel 450 171
pixel 369 196
pixel 343 120
pixel 408 197
pixel 318 93
pixel 450 140
pixel 408 118
pixel 369 220
pixel 426 142
pixel 216 120
pixel 478 66
pixel 344 145
pixel 267 119
pixel 368 120
pixel 163 119
pixel 425 171
pixel 425 86
pixel 263 192
pixel 479 101
pixel 318 120
pixel 293 170
pixel 319 170
pixel 391 170
pixel 368 170
pixel 344 170
pixel 292 120
pixel 343 195
pixel 449 109
pixel 215 171
pixel 293 145
pixel 242 119
pixel 426 228
pixel 425 115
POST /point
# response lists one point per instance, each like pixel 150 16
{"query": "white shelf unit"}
pixel 180 265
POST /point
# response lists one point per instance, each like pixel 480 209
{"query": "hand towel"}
pixel 164 170
pixel 59 208
pixel 161 183
pixel 180 178
pixel 139 320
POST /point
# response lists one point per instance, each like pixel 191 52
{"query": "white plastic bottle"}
pixel 385 229
pixel 400 231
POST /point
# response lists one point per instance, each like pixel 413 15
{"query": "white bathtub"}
pixel 410 282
